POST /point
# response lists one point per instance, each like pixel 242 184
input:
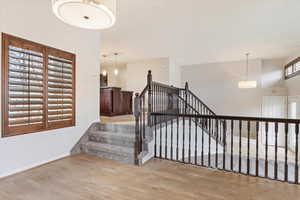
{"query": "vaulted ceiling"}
pixel 202 31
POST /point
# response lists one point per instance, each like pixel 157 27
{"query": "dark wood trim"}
pixel 225 117
pixel 45 51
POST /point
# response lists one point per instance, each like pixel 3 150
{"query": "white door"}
pixel 273 107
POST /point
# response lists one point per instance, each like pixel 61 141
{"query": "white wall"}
pixel 137 73
pixel 273 77
pixel 33 20
pixel 217 85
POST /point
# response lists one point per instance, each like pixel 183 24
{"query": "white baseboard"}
pixel 15 171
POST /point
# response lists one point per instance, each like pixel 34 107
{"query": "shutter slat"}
pixel 60 60
pixel 59 97
pixel 26 65
pixel 26 102
pixel 61 76
pixel 60 81
pixel 23 89
pixel 59 112
pixel 56 118
pixel 27 53
pixel 59 91
pixel 26 77
pixel 31 108
pixel 24 59
pixel 59 102
pixel 22 121
pixel 30 96
pixel 59 66
pixel 25 71
pixel 25 83
pixel 59 107
pixel 59 71
pixel 60 86
pixel 23 115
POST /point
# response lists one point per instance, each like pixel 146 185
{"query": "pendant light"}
pixel 87 14
pixel 116 71
pixel 104 72
pixel 245 84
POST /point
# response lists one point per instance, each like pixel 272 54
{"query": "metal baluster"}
pixel 209 141
pixel 172 138
pixel 166 138
pixel 196 139
pixel 296 154
pixel 217 139
pixel 257 161
pixel 231 148
pixel 224 143
pixel 183 140
pixel 177 138
pixel 240 146
pixel 190 132
pixel 286 153
pixel 276 153
pixel 266 151
pixel 160 136
pixel 202 142
pixel 155 137
pixel 248 147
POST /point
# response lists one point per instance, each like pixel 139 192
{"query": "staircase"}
pixel 109 140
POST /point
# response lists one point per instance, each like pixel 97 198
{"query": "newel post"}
pixel 149 83
pixel 186 96
pixel 138 144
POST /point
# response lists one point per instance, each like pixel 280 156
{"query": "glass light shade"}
pixel 116 72
pixel 104 73
pixel 87 14
pixel 247 84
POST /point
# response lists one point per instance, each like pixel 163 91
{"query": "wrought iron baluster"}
pixel 248 147
pixel 240 146
pixel 286 152
pixel 266 151
pixel 296 154
pixel 276 152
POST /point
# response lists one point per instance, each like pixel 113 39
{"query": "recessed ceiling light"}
pixel 88 14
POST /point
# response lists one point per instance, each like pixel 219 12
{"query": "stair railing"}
pixel 255 146
pixel 159 97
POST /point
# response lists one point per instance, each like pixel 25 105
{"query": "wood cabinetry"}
pixel 114 101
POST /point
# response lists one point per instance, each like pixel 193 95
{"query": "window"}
pixel 292 69
pixel 38 87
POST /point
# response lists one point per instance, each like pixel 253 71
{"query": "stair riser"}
pixel 110 156
pixel 119 141
pixel 127 129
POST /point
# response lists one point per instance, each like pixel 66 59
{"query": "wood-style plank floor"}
pixel 85 177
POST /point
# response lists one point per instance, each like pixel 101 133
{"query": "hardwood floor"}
pixel 85 177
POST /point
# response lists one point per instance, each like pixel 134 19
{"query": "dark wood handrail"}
pixel 198 99
pixel 225 117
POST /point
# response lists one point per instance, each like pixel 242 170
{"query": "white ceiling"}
pixel 202 31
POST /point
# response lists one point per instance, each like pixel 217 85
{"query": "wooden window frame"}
pixel 294 72
pixel 46 51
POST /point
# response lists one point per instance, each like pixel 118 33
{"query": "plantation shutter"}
pixel 38 87
pixel 60 89
pixel 25 98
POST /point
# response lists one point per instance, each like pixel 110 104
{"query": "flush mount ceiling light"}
pixel 246 83
pixel 88 14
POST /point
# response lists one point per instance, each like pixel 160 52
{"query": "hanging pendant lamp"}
pixel 246 84
pixel 87 14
